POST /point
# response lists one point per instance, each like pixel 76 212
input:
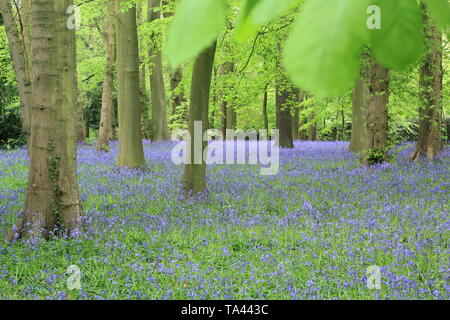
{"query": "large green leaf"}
pixel 256 13
pixel 196 25
pixel 323 50
pixel 440 12
pixel 245 27
pixel 399 41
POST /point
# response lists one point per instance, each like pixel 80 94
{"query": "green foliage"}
pixel 323 49
pixel 440 12
pixel 256 13
pixel 195 27
pixel 399 42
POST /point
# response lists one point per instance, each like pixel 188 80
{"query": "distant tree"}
pixel 131 151
pixel 19 44
pixel 160 129
pixel 106 117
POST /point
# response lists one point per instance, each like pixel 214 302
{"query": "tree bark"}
pixel 312 130
pixel 19 45
pixel 264 109
pixel 228 113
pixel 194 177
pixel 106 114
pixel 429 142
pixel 131 153
pixel 177 96
pixel 52 204
pixel 377 118
pixel 145 121
pixel 359 116
pixel 284 118
pixel 160 129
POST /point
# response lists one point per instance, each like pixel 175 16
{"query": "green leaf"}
pixel 323 50
pixel 245 28
pixel 267 10
pixel 256 13
pixel 440 12
pixel 400 41
pixel 195 26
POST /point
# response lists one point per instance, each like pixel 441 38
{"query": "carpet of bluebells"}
pixel 309 232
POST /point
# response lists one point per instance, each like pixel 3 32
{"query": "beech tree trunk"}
pixel 377 118
pixel 19 45
pixel 194 177
pixel 312 130
pixel 429 142
pixel 131 152
pixel 177 96
pixel 359 116
pixel 160 129
pixel 106 114
pixel 284 118
pixel 145 121
pixel 228 117
pixel 52 205
pixel 264 109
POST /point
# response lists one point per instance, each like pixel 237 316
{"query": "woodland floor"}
pixel 309 232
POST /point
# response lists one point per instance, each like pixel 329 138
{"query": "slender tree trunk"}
pixel 160 129
pixel 377 119
pixel 145 122
pixel 131 153
pixel 359 116
pixel 302 121
pixel 312 131
pixel 52 201
pixel 429 142
pixel 106 114
pixel 20 58
pixel 264 111
pixel 296 116
pixel 295 124
pixel 177 95
pixel 284 118
pixel 194 178
pixel 228 113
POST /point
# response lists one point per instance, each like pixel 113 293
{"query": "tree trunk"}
pixel 302 121
pixel 131 153
pixel 312 130
pixel 145 122
pixel 177 96
pixel 359 116
pixel 194 178
pixel 20 55
pixel 264 111
pixel 106 115
pixel 296 116
pixel 429 142
pixel 52 203
pixel 284 118
pixel 377 118
pixel 228 112
pixel 160 129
